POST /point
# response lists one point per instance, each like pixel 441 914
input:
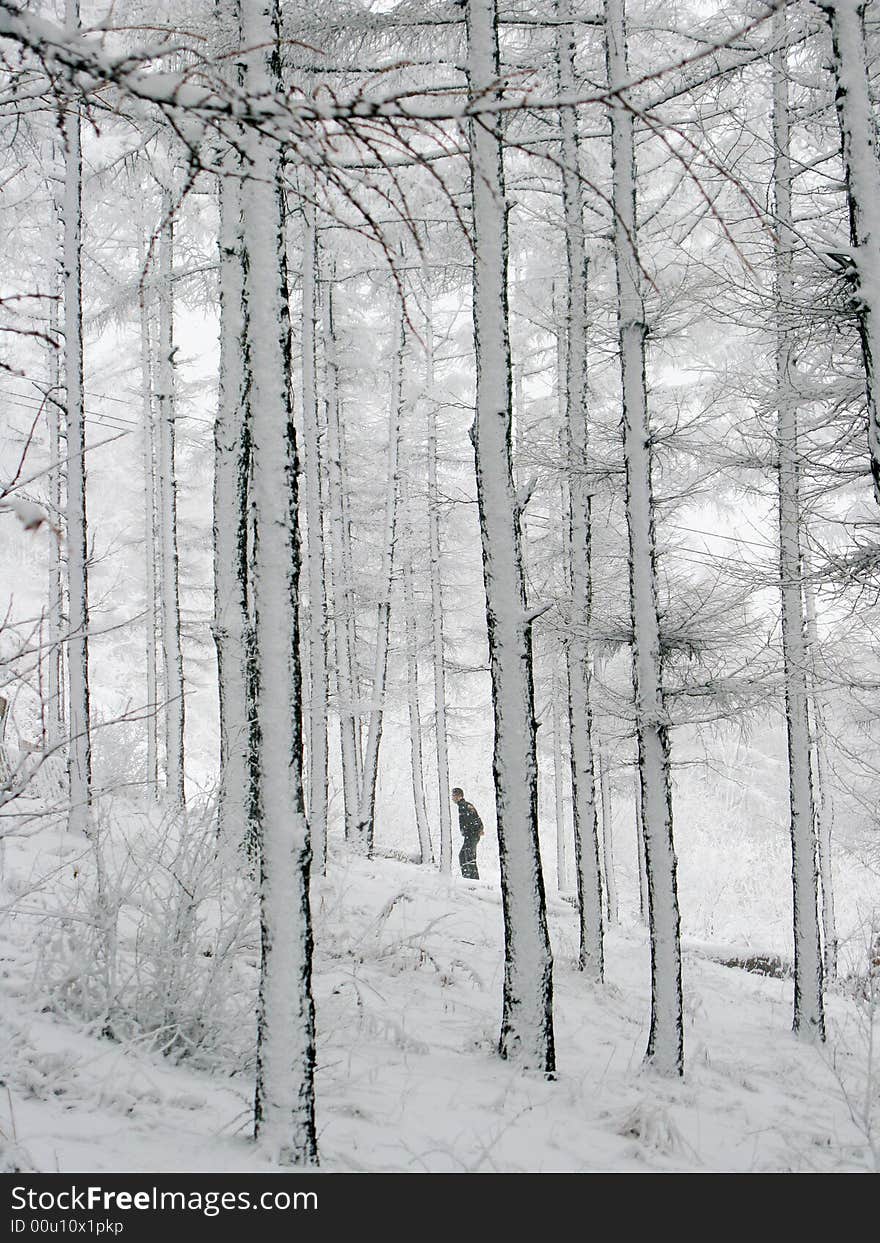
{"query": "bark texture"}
pixel 285 1095
pixel 527 1014
pixel 666 1040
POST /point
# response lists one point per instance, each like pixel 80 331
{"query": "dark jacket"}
pixel 469 820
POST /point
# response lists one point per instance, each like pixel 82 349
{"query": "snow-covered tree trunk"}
pixel 809 1019
pixel 611 902
pixel 435 554
pixel 79 756
pixel 527 1009
pixel 583 786
pixel 233 637
pixel 149 470
pixel 317 611
pixel 335 410
pixel 285 1098
pixel 351 617
pixel 365 829
pixel 824 812
pixel 55 717
pixel 172 652
pixel 640 850
pixel 823 805
pixel 858 128
pixel 340 561
pixel 562 846
pixel 665 1042
pixel 426 850
pixel 603 765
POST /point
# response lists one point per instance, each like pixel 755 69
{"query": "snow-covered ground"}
pixel 408 975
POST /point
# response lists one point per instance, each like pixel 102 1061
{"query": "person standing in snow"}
pixel 471 831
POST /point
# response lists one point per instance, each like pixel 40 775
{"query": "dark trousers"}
pixel 467 857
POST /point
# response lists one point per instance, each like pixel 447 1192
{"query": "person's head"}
pixel 457 794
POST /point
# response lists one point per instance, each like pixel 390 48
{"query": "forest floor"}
pixel 407 980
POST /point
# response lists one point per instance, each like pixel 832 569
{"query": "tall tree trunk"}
pixel 233 637
pixel 527 1010
pixel 858 129
pixel 351 617
pixel 167 478
pixel 610 878
pixel 562 848
pixel 809 1021
pixel 367 805
pixel 340 562
pixel 426 850
pixel 79 758
pixel 55 716
pixel 560 307
pixel 611 903
pixel 151 649
pixel 583 786
pixel 666 1041
pixel 285 1096
pixel 823 805
pixel 317 612
pixel 435 557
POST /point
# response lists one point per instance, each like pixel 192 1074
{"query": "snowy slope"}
pixel 408 986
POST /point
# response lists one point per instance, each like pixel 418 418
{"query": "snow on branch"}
pixel 202 89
